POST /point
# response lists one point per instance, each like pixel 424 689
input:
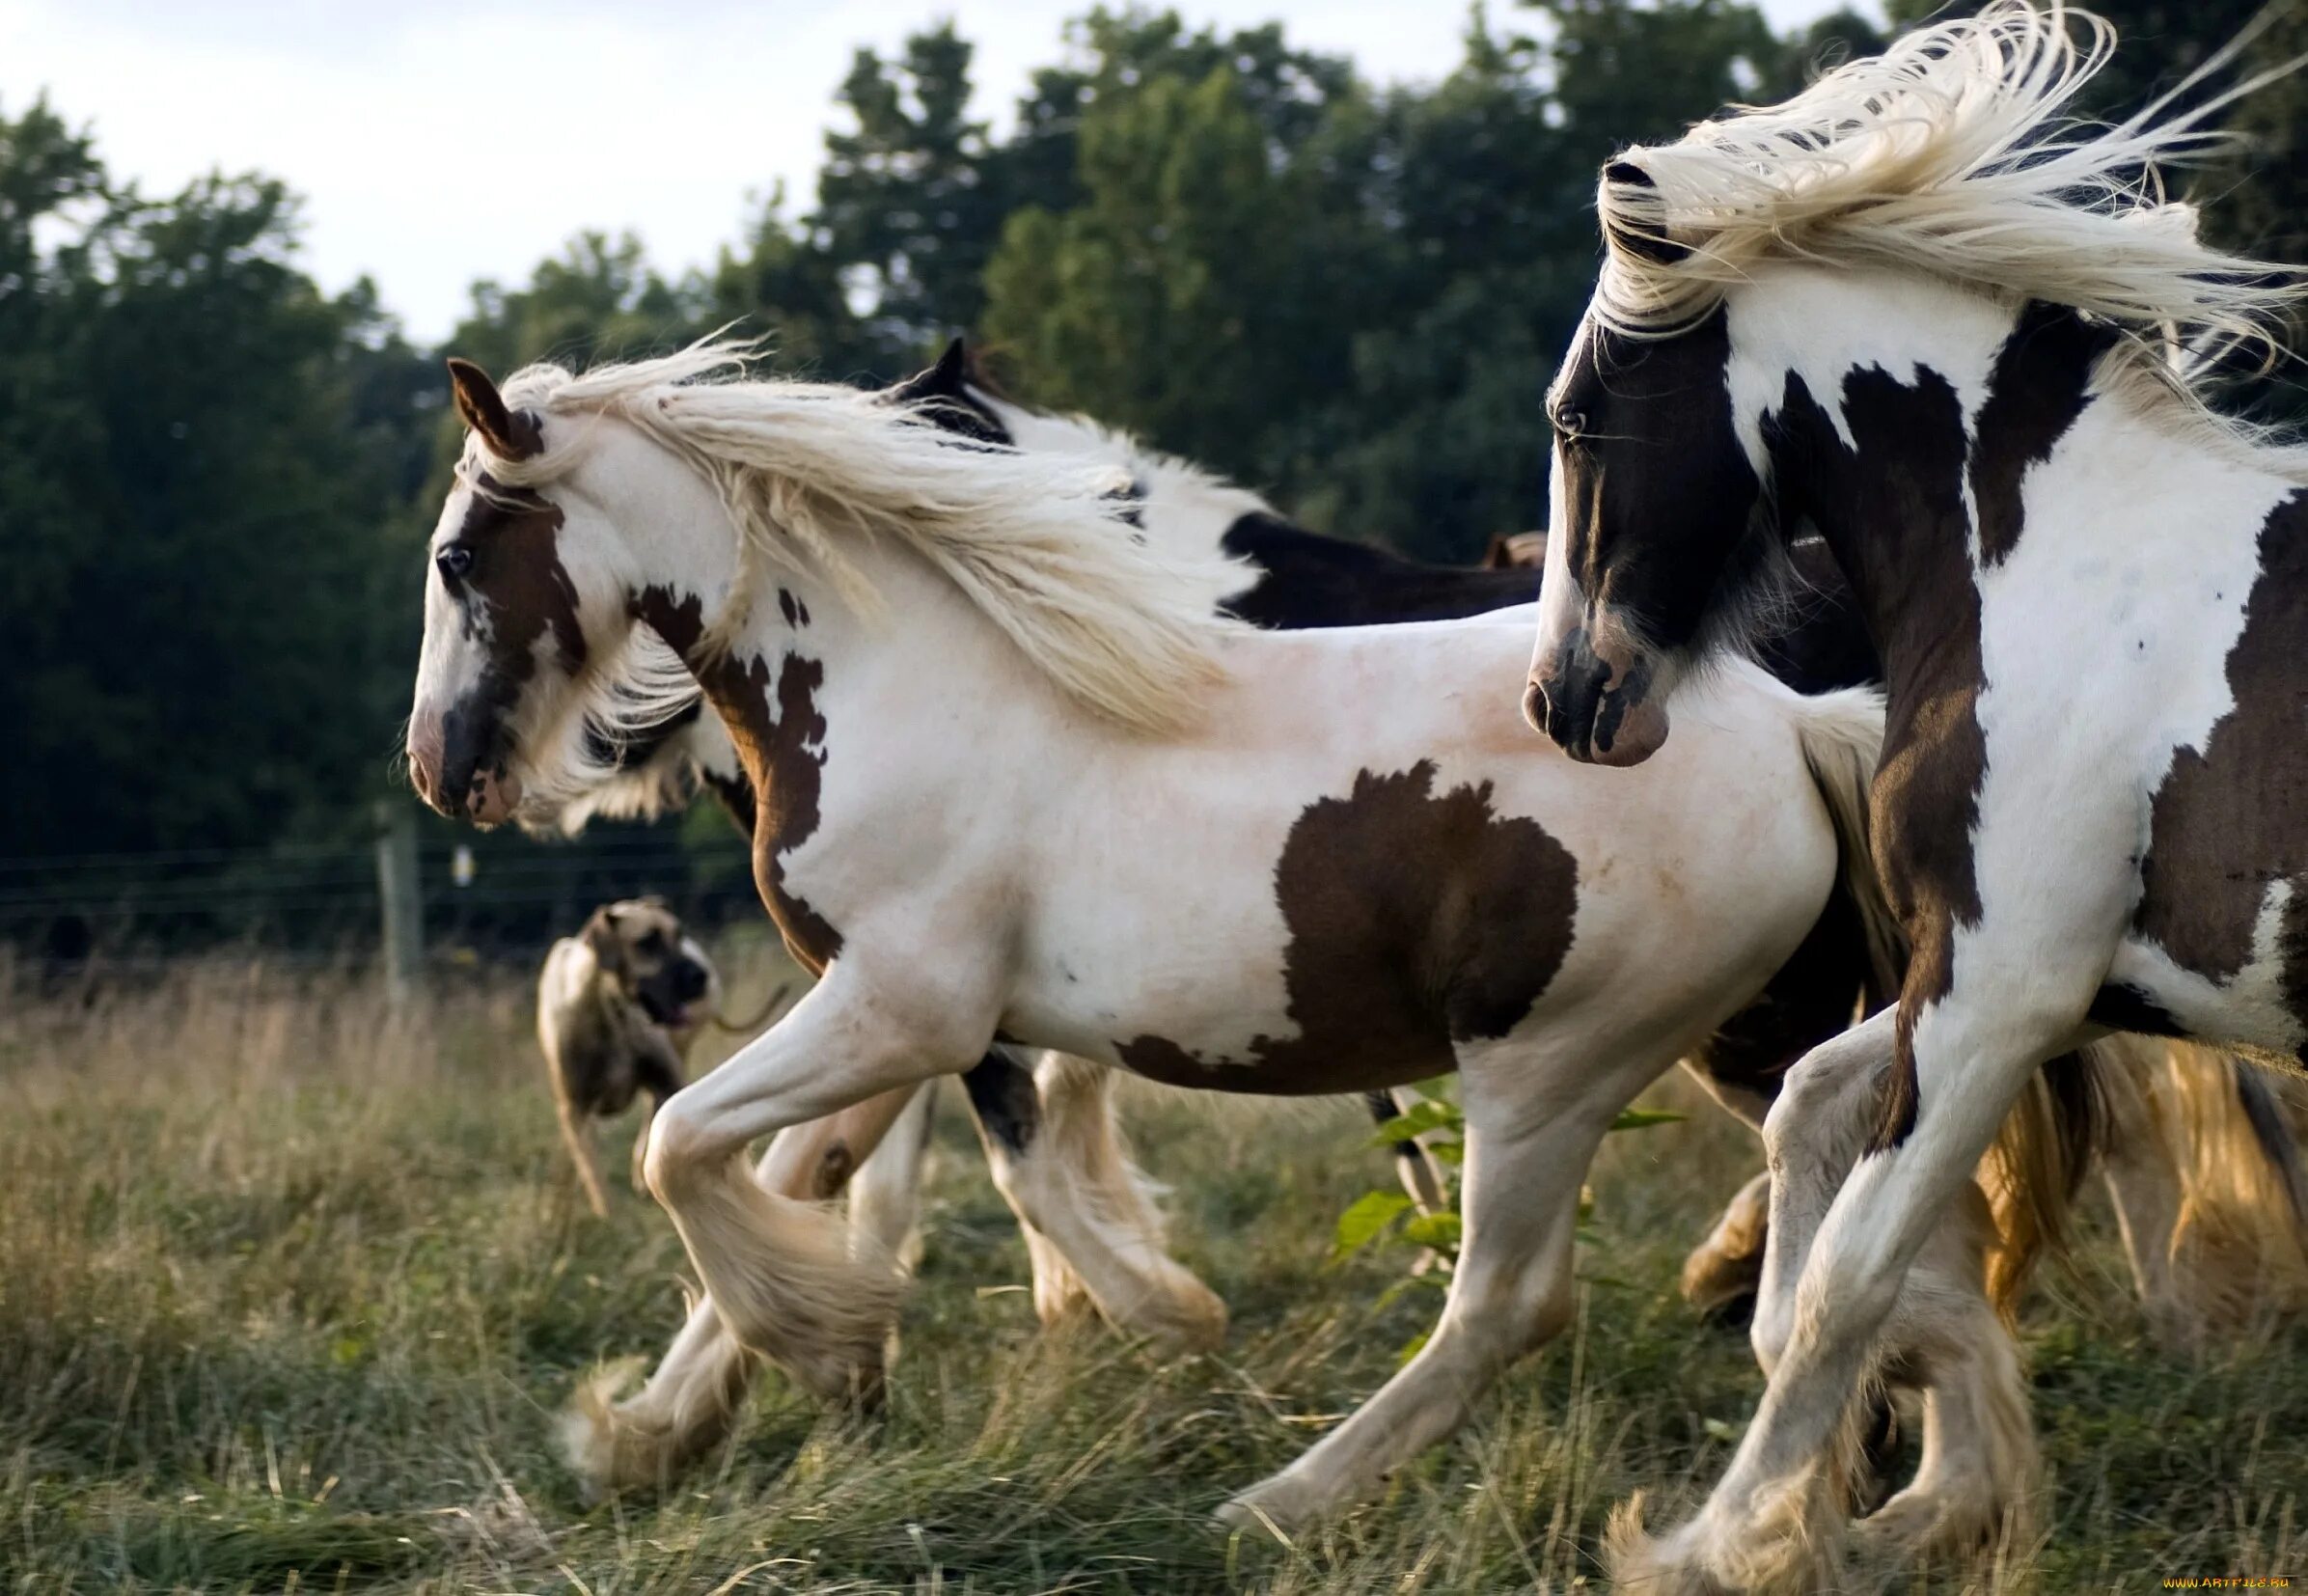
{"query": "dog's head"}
pixel 644 955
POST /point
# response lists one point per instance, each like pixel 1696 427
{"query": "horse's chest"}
pixel 1413 920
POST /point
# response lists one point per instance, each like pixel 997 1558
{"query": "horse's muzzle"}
pixel 1598 707
pixel 451 774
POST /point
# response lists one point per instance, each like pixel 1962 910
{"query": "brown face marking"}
pixel 783 752
pixel 1416 921
pixel 514 591
pixel 2227 820
pixel 515 537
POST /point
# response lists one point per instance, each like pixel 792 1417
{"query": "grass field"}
pixel 292 1289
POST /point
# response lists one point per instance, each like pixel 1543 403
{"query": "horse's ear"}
pixel 1635 218
pixel 509 435
pixel 953 370
pixel 943 381
pixel 600 937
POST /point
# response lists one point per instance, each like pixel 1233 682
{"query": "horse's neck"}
pixel 1937 484
pixel 802 670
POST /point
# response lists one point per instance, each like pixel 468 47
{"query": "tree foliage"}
pixel 214 477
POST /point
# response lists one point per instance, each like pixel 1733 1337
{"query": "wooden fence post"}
pixel 401 896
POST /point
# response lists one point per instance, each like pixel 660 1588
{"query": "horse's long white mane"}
pixel 806 470
pixel 1947 154
pixel 1180 499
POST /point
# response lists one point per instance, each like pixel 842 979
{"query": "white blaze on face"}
pixel 1562 607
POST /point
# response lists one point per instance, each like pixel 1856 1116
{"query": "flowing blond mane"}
pixel 806 471
pixel 1948 154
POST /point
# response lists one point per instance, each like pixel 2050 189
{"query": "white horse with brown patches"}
pixel 1919 310
pixel 1015 779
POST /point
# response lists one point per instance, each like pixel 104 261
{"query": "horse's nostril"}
pixel 1534 706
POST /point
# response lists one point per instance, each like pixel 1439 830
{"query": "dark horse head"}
pixel 1655 520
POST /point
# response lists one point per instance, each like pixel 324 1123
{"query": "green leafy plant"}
pixel 1383 1217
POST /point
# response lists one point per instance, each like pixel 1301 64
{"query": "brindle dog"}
pixel 617 1007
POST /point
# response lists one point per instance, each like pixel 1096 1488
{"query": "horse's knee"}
pixel 1514 1315
pixel 1831 1076
pixel 1771 1328
pixel 1549 1317
pixel 681 1147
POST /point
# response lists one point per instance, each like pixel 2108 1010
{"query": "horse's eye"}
pixel 1570 422
pixel 453 561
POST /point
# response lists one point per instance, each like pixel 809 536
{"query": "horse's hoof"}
pixel 1274 1506
pixel 604 1448
pixel 1646 1565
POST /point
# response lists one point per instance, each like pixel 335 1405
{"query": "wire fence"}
pixel 495 898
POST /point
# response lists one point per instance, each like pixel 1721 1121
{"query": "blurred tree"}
pixel 1179 298
pixel 786 286
pixel 214 478
pixel 215 453
pixel 910 203
pixel 600 299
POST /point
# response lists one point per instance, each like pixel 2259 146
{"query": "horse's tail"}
pixel 2238 1246
pixel 2271 1125
pixel 2032 1175
pixel 1842 738
pixel 2050 1139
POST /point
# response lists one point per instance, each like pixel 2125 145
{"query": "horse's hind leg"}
pixel 1534 1117
pixel 884 1194
pixel 1058 1158
pixel 1422 1177
pixel 1723 1272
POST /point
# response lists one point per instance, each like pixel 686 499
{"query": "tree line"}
pixel 215 478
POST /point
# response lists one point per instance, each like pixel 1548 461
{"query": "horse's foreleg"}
pixel 1979 1460
pixel 1532 1126
pixel 1773 1519
pixel 692 1397
pixel 780 1272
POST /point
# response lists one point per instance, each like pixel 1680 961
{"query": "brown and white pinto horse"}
pixel 1915 308
pixel 1051 1139
pixel 1015 779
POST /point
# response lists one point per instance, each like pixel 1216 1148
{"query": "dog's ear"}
pixel 601 935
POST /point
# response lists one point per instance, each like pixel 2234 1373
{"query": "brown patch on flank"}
pixel 2228 819
pixel 783 752
pixel 1416 921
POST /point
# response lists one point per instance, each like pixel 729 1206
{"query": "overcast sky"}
pixel 437 142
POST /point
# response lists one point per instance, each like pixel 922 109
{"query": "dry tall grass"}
pixel 291 1288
